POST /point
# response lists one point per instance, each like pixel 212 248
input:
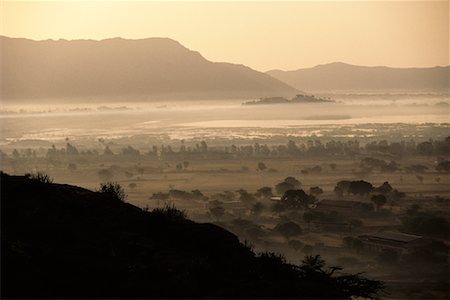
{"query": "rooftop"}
pixel 394 236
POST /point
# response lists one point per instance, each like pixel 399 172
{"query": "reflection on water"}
pixel 225 119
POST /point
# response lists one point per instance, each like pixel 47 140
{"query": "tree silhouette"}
pixel 283 187
pixel 297 199
pixel 360 187
pixel 113 191
pixel 378 200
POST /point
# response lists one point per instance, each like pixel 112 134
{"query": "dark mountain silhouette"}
pixel 345 77
pixel 62 241
pixel 150 68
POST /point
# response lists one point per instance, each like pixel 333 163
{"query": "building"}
pixel 393 240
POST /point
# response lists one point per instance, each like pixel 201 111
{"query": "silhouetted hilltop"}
pixel 150 68
pixel 62 241
pixel 345 77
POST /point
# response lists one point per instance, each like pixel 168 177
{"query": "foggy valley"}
pixel 138 168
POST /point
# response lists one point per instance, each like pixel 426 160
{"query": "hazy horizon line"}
pixel 265 71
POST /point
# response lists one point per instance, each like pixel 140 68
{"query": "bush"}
pixel 113 191
pixel 39 177
pixel 169 212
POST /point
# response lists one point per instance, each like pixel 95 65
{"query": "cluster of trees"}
pixel 291 149
pixel 364 188
pixel 370 163
pixel 434 252
pixel 289 183
pixel 175 194
pixel 293 198
pixel 422 222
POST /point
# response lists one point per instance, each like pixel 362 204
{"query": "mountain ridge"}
pixel 339 76
pixel 150 68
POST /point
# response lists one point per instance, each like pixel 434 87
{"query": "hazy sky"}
pixel 262 35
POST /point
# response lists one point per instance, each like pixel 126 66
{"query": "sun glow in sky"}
pixel 263 35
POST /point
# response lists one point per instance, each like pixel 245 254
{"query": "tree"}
pixel 333 166
pixel 71 150
pixel 278 207
pixel 40 177
pixel 338 191
pixel 283 187
pixel 360 187
pixel 443 166
pixel 293 181
pixel 385 188
pixel 113 191
pixel 422 222
pixel 425 148
pixel 217 212
pixel 261 166
pixel 72 167
pixel 107 151
pixel 15 154
pixel 198 195
pixel 246 197
pixel 315 190
pixel 344 186
pixel 288 229
pixel 264 193
pixel 379 200
pixel 130 151
pixel 297 199
pixel 169 212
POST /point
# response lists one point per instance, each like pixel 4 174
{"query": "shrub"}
pixel 113 191
pixel 39 177
pixel 169 212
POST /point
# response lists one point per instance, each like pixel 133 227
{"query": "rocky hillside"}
pixel 62 241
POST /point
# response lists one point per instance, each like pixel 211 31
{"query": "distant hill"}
pixel 150 68
pixel 62 241
pixel 345 77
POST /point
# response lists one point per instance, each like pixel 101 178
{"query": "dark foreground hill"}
pixel 344 77
pixel 62 241
pixel 153 68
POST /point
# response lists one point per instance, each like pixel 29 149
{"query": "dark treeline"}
pixel 202 150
